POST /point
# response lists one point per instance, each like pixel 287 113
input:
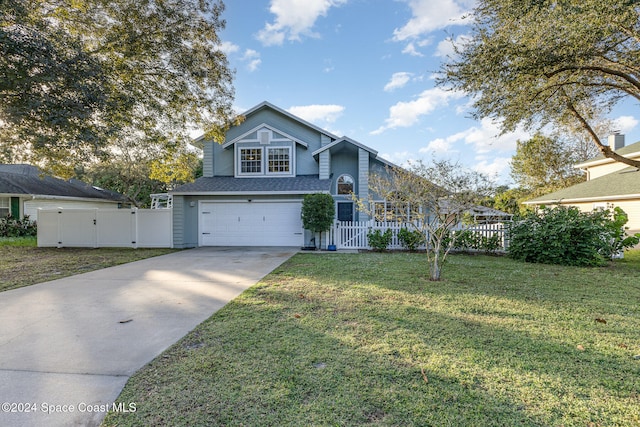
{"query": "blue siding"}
pixel 363 179
pixel 207 162
pixel 221 160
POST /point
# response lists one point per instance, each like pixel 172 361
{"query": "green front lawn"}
pixel 366 339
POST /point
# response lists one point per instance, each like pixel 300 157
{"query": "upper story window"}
pixel 265 161
pixel 345 184
pixel 251 160
pixel 279 160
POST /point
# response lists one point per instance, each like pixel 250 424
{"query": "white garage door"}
pixel 250 224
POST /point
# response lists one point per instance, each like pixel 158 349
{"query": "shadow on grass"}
pixel 357 341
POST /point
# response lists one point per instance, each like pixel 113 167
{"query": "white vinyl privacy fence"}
pixel 94 228
pixel 353 235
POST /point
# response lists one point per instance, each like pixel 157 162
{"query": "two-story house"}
pixel 609 184
pixel 254 182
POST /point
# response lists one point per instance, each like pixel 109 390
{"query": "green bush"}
pixel 567 236
pixel 378 240
pixel 466 240
pixel 411 240
pixel 16 227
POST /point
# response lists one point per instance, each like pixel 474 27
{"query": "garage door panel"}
pixel 250 224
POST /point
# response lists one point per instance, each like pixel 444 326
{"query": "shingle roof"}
pixel 616 185
pixel 227 184
pixel 27 179
pixel 624 151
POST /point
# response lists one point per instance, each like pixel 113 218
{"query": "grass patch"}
pixel 18 241
pixel 24 264
pixel 366 339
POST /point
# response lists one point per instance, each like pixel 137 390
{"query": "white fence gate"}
pixel 94 228
pixel 353 235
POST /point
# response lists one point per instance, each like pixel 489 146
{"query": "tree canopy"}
pixel 76 77
pixel 543 164
pixel 559 62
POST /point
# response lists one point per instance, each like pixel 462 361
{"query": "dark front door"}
pixel 345 211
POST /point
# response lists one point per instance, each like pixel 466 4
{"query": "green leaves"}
pixel 566 236
pixel 76 77
pixel 549 62
pixel 318 211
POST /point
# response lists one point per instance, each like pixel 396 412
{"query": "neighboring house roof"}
pixel 17 180
pixel 623 184
pixel 631 151
pixel 228 185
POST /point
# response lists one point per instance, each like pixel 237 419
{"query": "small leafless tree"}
pixel 432 199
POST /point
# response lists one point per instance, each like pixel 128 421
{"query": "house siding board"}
pixel 190 221
pixel 363 179
pixel 630 207
pixel 207 159
pixel 344 162
pixel 324 165
pixel 178 222
pixel 598 171
pixel 222 160
pixel 305 164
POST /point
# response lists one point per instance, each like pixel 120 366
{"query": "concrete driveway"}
pixel 67 347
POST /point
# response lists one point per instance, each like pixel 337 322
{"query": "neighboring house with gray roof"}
pixel 254 182
pixel 609 184
pixel 24 189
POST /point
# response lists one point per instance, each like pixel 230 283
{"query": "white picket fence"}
pixel 353 235
pixel 94 228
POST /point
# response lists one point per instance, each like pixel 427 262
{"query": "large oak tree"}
pixel 79 76
pixel 559 62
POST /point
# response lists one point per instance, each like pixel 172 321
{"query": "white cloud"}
pixel 443 145
pixel 406 114
pixel 314 113
pixel 430 15
pixel 252 58
pixel 397 81
pixel 498 167
pixel 410 49
pixel 228 47
pixel 625 124
pixel 446 47
pixel 487 138
pixel 294 18
pixel 400 158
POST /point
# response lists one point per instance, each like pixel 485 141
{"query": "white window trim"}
pixel 353 184
pixel 386 206
pixel 266 160
pixel 239 162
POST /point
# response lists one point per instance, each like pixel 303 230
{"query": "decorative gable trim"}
pixel 348 140
pixel 276 135
pixel 266 104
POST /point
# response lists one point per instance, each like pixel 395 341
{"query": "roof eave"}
pixel 581 199
pixel 246 193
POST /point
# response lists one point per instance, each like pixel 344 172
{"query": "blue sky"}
pixel 365 69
